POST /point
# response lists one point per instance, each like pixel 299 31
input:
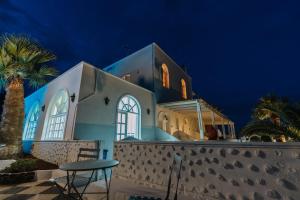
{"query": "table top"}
pixel 87 165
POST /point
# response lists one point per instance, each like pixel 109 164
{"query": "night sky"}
pixel 235 51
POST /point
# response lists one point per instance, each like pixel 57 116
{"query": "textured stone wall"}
pixel 59 152
pixel 216 170
pixel 7 151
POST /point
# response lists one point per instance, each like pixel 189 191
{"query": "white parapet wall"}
pixel 58 152
pixel 215 170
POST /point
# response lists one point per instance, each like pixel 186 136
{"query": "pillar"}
pixel 200 120
pixel 223 129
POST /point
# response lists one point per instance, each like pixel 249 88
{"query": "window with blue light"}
pixel 57 117
pixel 31 122
pixel 128 118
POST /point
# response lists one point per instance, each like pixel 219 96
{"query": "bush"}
pixel 255 138
pixel 23 165
pixel 266 138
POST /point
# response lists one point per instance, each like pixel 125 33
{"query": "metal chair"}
pixel 175 168
pixel 78 179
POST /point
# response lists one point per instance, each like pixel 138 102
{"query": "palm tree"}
pixel 21 60
pixel 275 116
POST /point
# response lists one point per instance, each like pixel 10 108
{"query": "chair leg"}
pixel 60 189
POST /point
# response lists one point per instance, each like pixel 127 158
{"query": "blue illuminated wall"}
pixel 38 96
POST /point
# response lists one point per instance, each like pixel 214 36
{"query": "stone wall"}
pixel 8 151
pixel 59 152
pixel 214 170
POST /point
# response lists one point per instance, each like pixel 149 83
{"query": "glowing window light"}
pixel 31 122
pixel 183 89
pixel 165 76
pixel 57 116
pixel 128 118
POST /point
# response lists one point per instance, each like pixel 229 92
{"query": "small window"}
pixel 126 77
pixel 31 122
pixel 165 76
pixel 183 89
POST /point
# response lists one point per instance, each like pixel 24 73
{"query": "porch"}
pixel 194 120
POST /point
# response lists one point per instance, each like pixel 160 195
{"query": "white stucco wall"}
pixel 96 120
pixel 89 118
pixel 70 81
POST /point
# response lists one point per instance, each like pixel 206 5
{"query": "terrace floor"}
pixel 41 190
pixel 45 190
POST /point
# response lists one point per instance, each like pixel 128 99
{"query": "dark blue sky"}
pixel 235 51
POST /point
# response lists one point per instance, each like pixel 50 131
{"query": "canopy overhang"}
pixel 195 105
pixel 200 109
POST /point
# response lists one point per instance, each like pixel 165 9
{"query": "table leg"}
pixel 107 183
pixel 68 184
pixel 107 187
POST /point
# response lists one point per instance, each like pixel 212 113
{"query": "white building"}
pixel 145 95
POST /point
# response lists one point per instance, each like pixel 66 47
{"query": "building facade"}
pixel 145 96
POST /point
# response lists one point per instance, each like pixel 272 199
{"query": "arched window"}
pixel 31 122
pixel 128 118
pixel 56 117
pixel 183 89
pixel 165 76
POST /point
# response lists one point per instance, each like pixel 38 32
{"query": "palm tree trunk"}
pixel 11 126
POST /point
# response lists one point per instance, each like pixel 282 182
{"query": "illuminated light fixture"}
pixel 106 100
pixel 73 97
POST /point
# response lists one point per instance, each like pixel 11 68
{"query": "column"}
pixel 200 122
pixel 229 128
pixel 212 118
pixel 223 129
pixel 233 130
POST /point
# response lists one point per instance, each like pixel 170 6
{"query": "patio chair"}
pixel 175 168
pixel 78 179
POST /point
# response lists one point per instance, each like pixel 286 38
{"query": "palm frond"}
pixel 266 127
pixel 36 80
pixel 48 71
pixel 39 77
pixel 23 58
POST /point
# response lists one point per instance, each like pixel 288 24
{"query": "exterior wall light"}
pixel 73 97
pixel 106 100
pixel 148 111
pixel 43 108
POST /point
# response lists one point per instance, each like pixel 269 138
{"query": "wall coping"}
pixel 287 145
pixel 66 141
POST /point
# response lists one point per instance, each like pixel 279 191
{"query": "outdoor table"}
pixel 87 165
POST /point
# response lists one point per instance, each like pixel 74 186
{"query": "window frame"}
pixel 123 112
pixel 58 122
pixel 35 107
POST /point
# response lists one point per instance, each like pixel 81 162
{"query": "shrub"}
pixel 266 138
pixel 23 165
pixel 255 138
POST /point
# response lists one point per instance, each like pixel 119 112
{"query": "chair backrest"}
pixel 88 154
pixel 176 169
